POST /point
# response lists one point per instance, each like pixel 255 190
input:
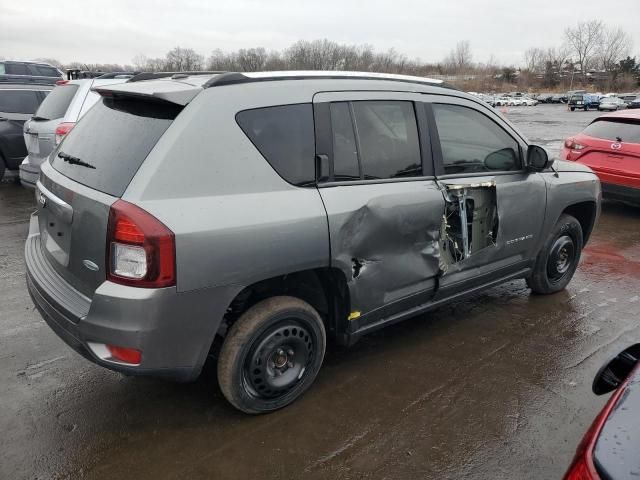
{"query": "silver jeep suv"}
pixel 249 217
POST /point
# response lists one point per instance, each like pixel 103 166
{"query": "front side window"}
pixel 19 101
pixel 473 143
pixel 47 71
pixel 284 135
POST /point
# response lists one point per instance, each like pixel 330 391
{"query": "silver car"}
pixel 252 217
pixel 55 117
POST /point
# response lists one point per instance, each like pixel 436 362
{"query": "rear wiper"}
pixel 39 119
pixel 71 160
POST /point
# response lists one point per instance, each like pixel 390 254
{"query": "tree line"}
pixel 592 53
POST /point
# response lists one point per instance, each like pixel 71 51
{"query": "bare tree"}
pixel 534 59
pixel 615 46
pixel 183 59
pixel 252 59
pixel 460 57
pixel 585 40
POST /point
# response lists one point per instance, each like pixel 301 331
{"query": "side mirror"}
pixel 613 373
pixel 537 158
pixel 501 160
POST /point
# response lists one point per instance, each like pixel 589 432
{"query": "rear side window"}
pixel 374 139
pixel 618 130
pixel 47 71
pixel 388 139
pixel 57 102
pixel 284 136
pixel 16 69
pixel 19 101
pixel 113 138
pixel 2 69
pixel 345 151
pixel 471 142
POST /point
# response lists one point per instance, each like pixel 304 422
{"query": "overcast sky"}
pixel 114 31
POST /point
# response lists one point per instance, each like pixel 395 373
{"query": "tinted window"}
pixel 16 69
pixel 284 135
pixel 626 130
pixel 114 137
pixel 388 139
pixel 57 102
pixel 19 101
pixel 47 71
pixel 345 151
pixel 471 142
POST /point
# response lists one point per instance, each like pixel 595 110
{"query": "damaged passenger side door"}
pixel 384 209
pixel 494 207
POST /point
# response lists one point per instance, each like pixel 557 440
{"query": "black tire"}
pixel 572 109
pixel 271 354
pixel 559 257
pixel 2 167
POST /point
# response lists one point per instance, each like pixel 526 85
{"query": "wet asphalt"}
pixel 494 387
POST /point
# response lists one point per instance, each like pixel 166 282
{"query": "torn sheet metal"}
pixel 470 221
pixel 384 237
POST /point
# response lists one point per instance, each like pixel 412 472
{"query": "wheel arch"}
pixel 585 213
pixel 325 289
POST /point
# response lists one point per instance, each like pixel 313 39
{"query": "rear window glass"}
pixel 618 130
pixel 284 135
pixel 47 71
pixel 57 102
pixel 113 138
pixel 19 101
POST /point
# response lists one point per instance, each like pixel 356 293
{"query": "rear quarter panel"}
pixel 236 221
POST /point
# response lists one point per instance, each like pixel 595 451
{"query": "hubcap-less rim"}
pixel 561 258
pixel 278 360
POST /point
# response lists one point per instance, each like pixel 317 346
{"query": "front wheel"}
pixel 558 259
pixel 271 354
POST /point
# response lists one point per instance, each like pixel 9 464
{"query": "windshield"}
pixel 106 148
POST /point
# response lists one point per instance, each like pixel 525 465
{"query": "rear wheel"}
pixel 572 109
pixel 2 168
pixel 558 259
pixel 271 354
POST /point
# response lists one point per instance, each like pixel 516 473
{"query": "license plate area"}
pixel 55 218
pixel 33 143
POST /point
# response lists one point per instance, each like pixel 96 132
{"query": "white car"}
pixel 529 102
pixel 515 101
pixel 503 101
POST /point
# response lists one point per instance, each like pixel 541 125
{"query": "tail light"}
pixel 62 130
pixel 583 467
pixel 61 82
pixel 140 248
pixel 571 144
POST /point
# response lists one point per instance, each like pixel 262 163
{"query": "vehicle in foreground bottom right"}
pixel 610 448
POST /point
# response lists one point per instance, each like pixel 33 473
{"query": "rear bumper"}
pixel 174 331
pixel 29 174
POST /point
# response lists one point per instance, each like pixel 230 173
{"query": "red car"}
pixel 610 145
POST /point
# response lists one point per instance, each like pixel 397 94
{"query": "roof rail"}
pixel 110 75
pixel 28 79
pixel 232 78
pixel 151 75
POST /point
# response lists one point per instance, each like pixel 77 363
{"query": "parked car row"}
pixel 36 111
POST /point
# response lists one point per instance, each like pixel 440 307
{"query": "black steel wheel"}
pixel 271 354
pixel 558 259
